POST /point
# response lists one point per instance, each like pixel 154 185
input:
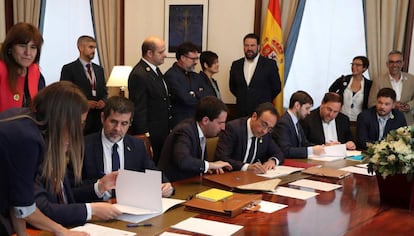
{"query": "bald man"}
pixel 149 93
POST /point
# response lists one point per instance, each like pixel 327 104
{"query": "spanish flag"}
pixel 272 45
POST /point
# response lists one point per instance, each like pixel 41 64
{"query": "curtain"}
pixel 385 29
pixel 292 38
pixel 106 15
pixel 27 11
pixel 288 8
pixel 2 22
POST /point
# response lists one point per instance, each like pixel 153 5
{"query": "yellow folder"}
pixel 214 195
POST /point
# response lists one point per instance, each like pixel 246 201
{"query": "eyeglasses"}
pixel 357 64
pixel 265 126
pixel 399 62
pixel 192 58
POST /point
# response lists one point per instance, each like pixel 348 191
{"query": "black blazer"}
pixel 284 134
pixel 68 215
pixel 185 92
pixel 341 83
pixel 152 102
pixel 208 88
pixel 264 85
pixel 181 153
pixel 312 126
pixel 75 73
pixel 232 145
pixel 135 158
pixel 368 127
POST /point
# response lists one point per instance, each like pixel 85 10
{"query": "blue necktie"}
pixel 115 157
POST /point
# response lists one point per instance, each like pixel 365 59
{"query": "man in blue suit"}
pixel 89 77
pixel 184 154
pixel 253 79
pixel 288 132
pixel 374 123
pixel 110 150
pixel 247 144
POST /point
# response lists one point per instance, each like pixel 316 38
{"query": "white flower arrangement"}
pixel 392 155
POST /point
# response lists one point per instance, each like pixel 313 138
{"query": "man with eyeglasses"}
pixel 401 82
pixel 246 142
pixel 185 86
pixel 112 149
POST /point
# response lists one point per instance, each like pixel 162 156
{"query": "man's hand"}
pixel 107 182
pixel 318 149
pixel 92 104
pixel 218 166
pixel 100 104
pixel 257 168
pixel 269 164
pixel 350 145
pixel 167 189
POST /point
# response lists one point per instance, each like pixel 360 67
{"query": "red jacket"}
pixel 7 98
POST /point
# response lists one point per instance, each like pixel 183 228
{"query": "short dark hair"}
pixel 118 104
pixel 267 106
pixel 209 106
pixel 207 57
pixel 85 38
pixel 148 45
pixel 364 59
pixel 300 96
pixel 252 36
pixel 332 97
pixel 184 48
pixel 388 93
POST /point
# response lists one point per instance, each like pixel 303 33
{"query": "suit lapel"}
pixel 128 157
pixel 99 155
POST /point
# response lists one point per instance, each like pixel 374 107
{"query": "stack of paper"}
pixel 280 171
pixel 332 153
pixel 214 195
pixel 207 227
pixel 98 230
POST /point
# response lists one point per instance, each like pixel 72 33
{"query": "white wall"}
pixel 228 22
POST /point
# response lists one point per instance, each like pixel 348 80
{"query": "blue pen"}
pixel 138 225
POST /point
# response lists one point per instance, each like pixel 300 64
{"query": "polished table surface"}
pixel 353 209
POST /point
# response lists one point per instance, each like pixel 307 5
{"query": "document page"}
pixel 98 230
pixel 294 193
pixel 332 153
pixel 280 171
pixel 315 184
pixel 207 227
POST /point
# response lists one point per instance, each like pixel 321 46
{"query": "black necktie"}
pixel 115 157
pixel 298 134
pixel 251 155
pixel 159 72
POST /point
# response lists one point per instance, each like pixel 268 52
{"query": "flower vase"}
pixel 396 191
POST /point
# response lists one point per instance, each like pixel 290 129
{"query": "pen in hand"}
pixel 138 225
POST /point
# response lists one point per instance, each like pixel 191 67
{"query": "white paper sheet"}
pixel 99 230
pixel 173 234
pixel 207 227
pixel 353 153
pixel 357 170
pixel 315 184
pixel 365 165
pixel 280 171
pixel 167 203
pixel 332 153
pixel 130 186
pixel 270 207
pixel 294 193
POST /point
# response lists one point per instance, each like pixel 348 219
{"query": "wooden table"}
pixel 353 209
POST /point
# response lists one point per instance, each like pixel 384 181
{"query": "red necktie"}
pixel 88 67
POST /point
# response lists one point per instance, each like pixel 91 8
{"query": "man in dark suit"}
pixel 247 144
pixel 149 92
pixel 89 77
pixel 253 79
pixel 289 134
pixel 374 123
pixel 184 154
pixel 327 125
pixel 110 150
pixel 186 86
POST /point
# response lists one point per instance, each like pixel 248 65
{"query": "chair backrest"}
pixel 211 144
